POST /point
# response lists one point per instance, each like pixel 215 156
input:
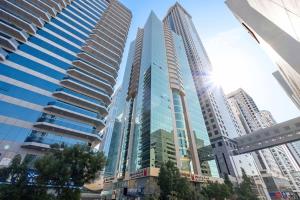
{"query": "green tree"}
pixel 216 191
pixel 152 197
pixel 229 184
pixel 196 193
pixel 173 186
pixel 20 188
pixel 244 191
pixel 69 169
pixel 64 170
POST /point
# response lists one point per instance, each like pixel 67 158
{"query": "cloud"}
pixel 227 38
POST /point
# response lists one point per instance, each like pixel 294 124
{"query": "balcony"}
pixel 12 8
pixel 54 109
pixel 64 96
pixel 75 73
pixel 82 96
pixel 94 70
pixel 7 43
pixel 106 43
pixel 13 31
pixel 121 18
pixel 105 48
pixel 94 61
pixel 20 23
pixel 43 6
pixel 116 24
pixel 108 30
pixel 3 54
pixel 121 10
pixel 104 34
pixel 86 90
pixel 35 145
pixel 29 7
pixel 46 126
pixel 62 3
pixel 54 5
pixel 112 27
pixel 68 123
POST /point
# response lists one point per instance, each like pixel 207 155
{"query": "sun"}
pixel 216 78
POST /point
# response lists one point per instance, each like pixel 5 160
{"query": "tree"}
pixel 229 184
pixel 20 187
pixel 152 197
pixel 173 186
pixel 65 171
pixel 216 191
pixel 69 169
pixel 244 191
pixel 196 193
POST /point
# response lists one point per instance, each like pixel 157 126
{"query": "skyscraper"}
pixel 162 122
pixel 283 155
pixel 295 151
pixel 219 121
pixel 59 63
pixel 275 26
pixel 276 164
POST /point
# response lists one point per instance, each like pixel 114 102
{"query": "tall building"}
pixel 276 164
pixel 219 121
pixel 283 155
pixel 113 134
pixel 275 26
pixel 294 148
pixel 162 122
pixel 59 63
pixel 106 134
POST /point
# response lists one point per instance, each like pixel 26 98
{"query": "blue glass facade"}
pixel 193 107
pixel 153 93
pixel 47 92
pixel 220 125
pixel 114 139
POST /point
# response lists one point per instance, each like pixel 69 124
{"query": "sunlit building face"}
pixel 275 25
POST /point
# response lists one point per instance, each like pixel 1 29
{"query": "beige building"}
pixel 275 25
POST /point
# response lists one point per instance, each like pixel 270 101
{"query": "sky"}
pixel 238 61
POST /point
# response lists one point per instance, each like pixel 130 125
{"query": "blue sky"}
pixel 238 61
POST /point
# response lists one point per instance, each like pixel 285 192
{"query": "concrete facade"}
pixel 275 25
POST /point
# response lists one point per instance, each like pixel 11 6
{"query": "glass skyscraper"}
pixel 219 121
pixel 58 68
pixel 217 116
pixel 161 121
